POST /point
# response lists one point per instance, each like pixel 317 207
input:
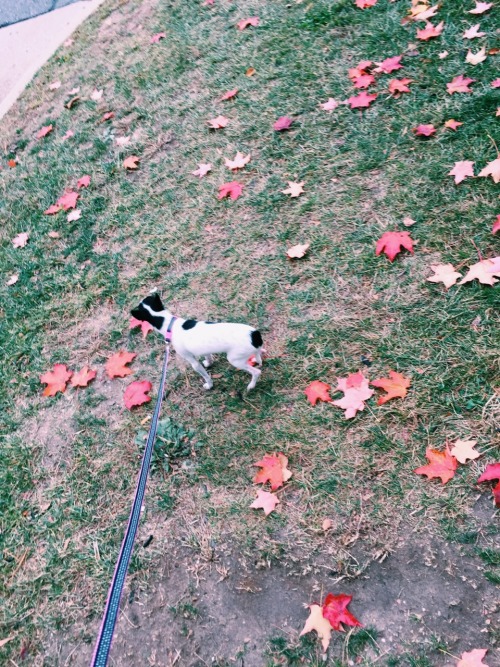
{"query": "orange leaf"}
pixel 146 327
pixel 273 470
pixel 442 464
pixel 244 23
pixel 317 391
pixel 298 251
pixel 136 393
pixel 44 131
pixel 83 182
pixel 396 386
pixel 67 201
pixel 218 123
pixel 116 364
pixel 319 624
pixel 83 377
pixel 55 379
pixel 265 501
pixel 230 94
pixel 131 162
pixel 391 243
pixel 232 190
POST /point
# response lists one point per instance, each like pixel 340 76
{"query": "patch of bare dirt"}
pixel 224 612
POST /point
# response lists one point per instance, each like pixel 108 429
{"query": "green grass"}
pixel 320 316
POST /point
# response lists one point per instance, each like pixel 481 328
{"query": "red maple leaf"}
pixel 460 84
pixel 230 94
pixel 396 386
pixel 398 86
pixel 136 394
pixel 442 464
pixel 364 99
pixel 389 65
pixel 83 182
pixel 44 131
pixel 116 364
pixel 430 31
pixel 55 379
pixel 54 208
pixel 424 130
pixel 83 377
pixel 496 225
pixel 156 38
pixel 363 81
pixel 146 327
pixel 274 470
pixel 244 23
pixel 317 391
pixel 336 612
pixel 68 200
pixel 391 243
pixel 363 4
pixel 233 189
pixel 491 472
pixel 283 123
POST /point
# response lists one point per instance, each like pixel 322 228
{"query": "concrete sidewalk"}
pixel 26 46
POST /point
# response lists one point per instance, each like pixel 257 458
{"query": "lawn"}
pixel 220 583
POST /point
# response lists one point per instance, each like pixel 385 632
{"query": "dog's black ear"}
pixel 154 302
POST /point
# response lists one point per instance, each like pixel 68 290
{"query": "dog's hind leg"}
pixel 242 364
pixel 208 361
pixel 199 369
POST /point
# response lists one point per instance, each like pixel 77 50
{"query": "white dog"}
pixel 192 339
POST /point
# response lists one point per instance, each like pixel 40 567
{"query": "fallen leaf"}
pixel 473 32
pixel 391 243
pixel 136 393
pixel 491 473
pixel 424 130
pixel 12 280
pixel 55 379
pixel 364 81
pixel 122 141
pixel 441 465
pixel 54 208
pixel 336 612
pixel 116 364
pixel 83 377
pixel 422 12
pixel 496 225
pixel 146 327
pixel 475 657
pixel 362 100
pixel 107 116
pixel 20 240
pixel 396 386
pixel 294 189
pixel 430 31
pixel 492 169
pixel 462 170
pixel 74 91
pixel 217 123
pixel 54 85
pixel 318 391
pixel 452 124
pixel 12 163
pixel 364 4
pixel 266 501
pixel 156 38
pixel 443 55
pixel 83 182
pixel 408 222
pixel 68 200
pixel 274 470
pixel 71 103
pixel 244 23
pixel 329 105
pixel 233 189
pixel 283 123
pixel 327 524
pixel 481 7
pixel 96 95
pixel 356 392
pixel 6 640
pixel 250 71
pixel 297 251
pixel 399 86
pixel 319 624
pixel 44 131
pixel 444 273
pixel 202 170
pixel 360 69
pixel 74 215
pixel 476 58
pixel 239 161
pixel 460 84
pixel 131 162
pixel 495 83
pixel 230 94
pixel 463 450
pixel 484 271
pixel 68 135
pixel 389 65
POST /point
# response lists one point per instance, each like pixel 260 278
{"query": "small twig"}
pixel 494 144
pixel 455 657
pixel 478 251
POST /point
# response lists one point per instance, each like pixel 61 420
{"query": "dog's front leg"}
pixel 200 370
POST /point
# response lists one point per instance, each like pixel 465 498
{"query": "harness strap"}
pixel 105 636
pixel 168 334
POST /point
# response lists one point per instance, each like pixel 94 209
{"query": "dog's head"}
pixel 150 310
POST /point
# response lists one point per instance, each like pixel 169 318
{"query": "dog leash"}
pixel 105 636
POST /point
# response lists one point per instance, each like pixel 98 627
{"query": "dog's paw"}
pixel 207 363
pixel 208 385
